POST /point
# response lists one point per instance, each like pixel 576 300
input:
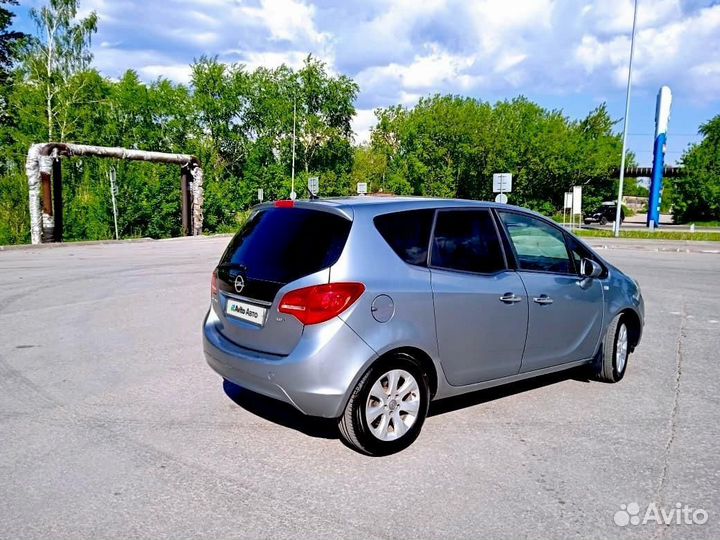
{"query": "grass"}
pixel 657 235
pixel 704 223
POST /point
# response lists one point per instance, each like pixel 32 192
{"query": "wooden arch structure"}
pixel 44 172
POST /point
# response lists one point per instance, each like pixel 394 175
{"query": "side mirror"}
pixel 590 269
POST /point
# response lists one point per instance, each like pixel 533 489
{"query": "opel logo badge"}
pixel 239 284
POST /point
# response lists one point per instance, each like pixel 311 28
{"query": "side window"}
pixel 467 240
pixel 538 246
pixel 579 252
pixel 407 233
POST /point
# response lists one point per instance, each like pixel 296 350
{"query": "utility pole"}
pixel 292 181
pixel 618 210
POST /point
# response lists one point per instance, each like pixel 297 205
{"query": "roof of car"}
pixel 405 203
pixel 375 205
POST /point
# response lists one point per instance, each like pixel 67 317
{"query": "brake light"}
pixel 213 284
pixel 313 305
pixel 284 204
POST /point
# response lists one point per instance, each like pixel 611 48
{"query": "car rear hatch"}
pixel 277 246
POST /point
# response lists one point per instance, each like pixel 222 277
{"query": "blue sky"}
pixel 564 54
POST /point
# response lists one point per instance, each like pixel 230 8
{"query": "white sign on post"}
pixel 568 200
pixel 362 188
pixel 314 185
pixel 577 200
pixel 261 194
pixel 502 183
pixel 501 198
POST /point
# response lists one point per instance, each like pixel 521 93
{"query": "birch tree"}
pixel 59 54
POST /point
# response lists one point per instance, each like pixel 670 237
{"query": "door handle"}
pixel 543 300
pixel 510 298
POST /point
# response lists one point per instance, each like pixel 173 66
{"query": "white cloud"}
pixel 253 60
pixel 676 50
pixel 509 61
pixel 398 50
pixel 114 61
pixel 433 70
pixel 615 16
pixel 180 73
pixel 362 123
pixel 289 20
pixel 499 24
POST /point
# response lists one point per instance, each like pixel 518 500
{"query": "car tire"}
pixel 603 221
pixel 387 407
pixel 611 362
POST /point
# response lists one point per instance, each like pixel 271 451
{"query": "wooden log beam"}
pixel 44 158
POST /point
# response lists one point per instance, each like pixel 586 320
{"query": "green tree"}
pixel 58 53
pixel 450 146
pixel 9 42
pixel 696 194
pixel 13 197
pixel 246 126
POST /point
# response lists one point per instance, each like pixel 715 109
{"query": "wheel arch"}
pixel 422 358
pixel 632 319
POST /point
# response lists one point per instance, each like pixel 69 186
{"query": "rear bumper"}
pixel 316 378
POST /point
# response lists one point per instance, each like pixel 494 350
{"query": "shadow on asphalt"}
pixel 281 413
pixel 447 405
pixel 326 428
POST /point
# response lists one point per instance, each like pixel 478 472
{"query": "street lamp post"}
pixel 618 210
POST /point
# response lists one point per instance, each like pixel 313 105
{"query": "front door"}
pixel 565 311
pixel 481 309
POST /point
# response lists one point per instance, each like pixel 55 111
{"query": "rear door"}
pixel 565 311
pixel 481 308
pixel 276 247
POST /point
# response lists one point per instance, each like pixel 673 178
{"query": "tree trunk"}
pixel 40 154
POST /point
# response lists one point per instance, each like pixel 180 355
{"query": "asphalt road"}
pixel 112 425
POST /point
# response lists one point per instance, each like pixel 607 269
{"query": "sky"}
pixel 563 54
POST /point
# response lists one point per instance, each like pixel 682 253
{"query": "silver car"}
pixel 365 309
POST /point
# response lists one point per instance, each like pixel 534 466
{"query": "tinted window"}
pixel 538 245
pixel 407 233
pixel 284 244
pixel 467 240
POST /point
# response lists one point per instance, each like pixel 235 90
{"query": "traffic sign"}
pixel 293 195
pixel 502 183
pixel 577 200
pixel 362 188
pixel 501 198
pixel 314 185
pixel 261 194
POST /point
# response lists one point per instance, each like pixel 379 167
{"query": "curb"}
pixel 656 247
pixel 60 245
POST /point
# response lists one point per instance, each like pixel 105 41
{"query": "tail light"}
pixel 213 284
pixel 284 204
pixel 313 305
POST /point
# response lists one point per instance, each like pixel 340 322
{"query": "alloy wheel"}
pixel 393 405
pixel 621 348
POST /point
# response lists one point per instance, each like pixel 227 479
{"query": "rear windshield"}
pixel 285 244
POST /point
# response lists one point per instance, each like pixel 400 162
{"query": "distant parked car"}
pixel 604 214
pixel 365 309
